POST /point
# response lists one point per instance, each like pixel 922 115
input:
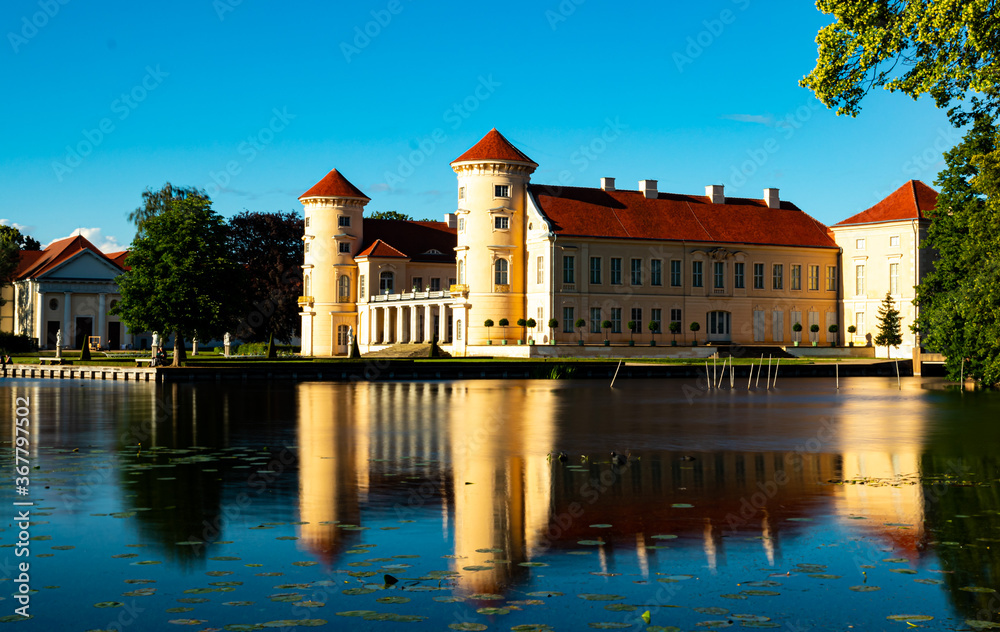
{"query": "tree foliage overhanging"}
pixel 268 247
pixel 941 48
pixel 960 299
pixel 182 277
pixel 12 242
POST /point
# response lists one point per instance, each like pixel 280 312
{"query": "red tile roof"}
pixel 34 264
pixel 119 258
pixel 494 146
pixel 907 202
pixel 432 242
pixel 382 250
pixel 670 217
pixel 334 185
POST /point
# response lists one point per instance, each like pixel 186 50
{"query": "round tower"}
pixel 493 181
pixel 333 235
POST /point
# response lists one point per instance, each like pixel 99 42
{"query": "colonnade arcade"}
pixel 386 321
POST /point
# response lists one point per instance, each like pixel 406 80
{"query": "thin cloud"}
pixel 96 237
pixel 23 228
pixel 758 119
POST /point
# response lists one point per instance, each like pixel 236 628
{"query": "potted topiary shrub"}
pixel 675 328
pixel 833 329
pixel 797 328
pixel 815 331
pixel 488 324
pixel 851 329
pixel 606 325
pixel 504 323
pixel 553 325
pixel 654 326
pixel 531 325
pixel 694 328
pixel 522 323
pixel 580 324
pixel 631 330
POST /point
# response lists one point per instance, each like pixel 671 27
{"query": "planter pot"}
pixel 694 344
pixel 850 344
pixel 631 343
pixel 673 343
pixel 815 343
pixel 796 343
pixel 607 343
pixel 531 342
pixel 652 343
pixel 579 342
pixel 520 342
pixel 489 342
pixel 503 342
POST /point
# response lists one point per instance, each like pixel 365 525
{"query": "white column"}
pixel 386 326
pixel 443 324
pixel 428 323
pixel 67 324
pixel 40 331
pixel 102 300
pixel 399 324
pixel 413 323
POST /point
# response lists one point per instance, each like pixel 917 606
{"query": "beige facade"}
pixel 745 270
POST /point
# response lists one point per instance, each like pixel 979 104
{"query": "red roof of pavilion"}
pixel 35 263
pixel 907 202
pixel 432 242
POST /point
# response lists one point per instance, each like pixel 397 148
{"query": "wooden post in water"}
pixel 837 366
pixel 961 376
pixel 760 369
pixel 616 373
pixel 707 378
pixel 767 384
pixel 750 378
pixel 732 374
pixel 714 360
pixel 722 374
pixel 898 383
pixel 775 383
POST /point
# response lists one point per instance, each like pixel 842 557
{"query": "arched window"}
pixel 385 282
pixel 461 272
pixel 500 268
pixel 307 285
pixel 344 289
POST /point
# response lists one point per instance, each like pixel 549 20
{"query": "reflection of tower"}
pixel 492 197
pixel 333 235
pixel 502 480
pixel 333 440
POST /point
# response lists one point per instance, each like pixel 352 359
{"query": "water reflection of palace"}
pixel 477 457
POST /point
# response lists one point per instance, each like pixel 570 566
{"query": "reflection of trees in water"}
pixel 963 519
pixel 183 435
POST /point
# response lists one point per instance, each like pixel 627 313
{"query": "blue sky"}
pixel 256 102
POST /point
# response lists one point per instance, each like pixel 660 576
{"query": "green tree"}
pixel 488 323
pixel 389 215
pixel 959 300
pixel 158 201
pixel 941 48
pixel 889 332
pixel 580 324
pixel 182 276
pixel 268 247
pixel 12 242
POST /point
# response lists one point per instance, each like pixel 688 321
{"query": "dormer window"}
pixel 344 221
pixel 501 190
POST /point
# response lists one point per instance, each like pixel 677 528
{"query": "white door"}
pixel 719 326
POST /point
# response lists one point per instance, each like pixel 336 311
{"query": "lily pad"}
pixel 600 597
pixel 610 626
pixel 865 588
pixel 109 604
pixel 468 627
pixel 393 599
pixel 910 617
pixel 977 624
pixel 591 542
pixel 493 611
pixel 977 589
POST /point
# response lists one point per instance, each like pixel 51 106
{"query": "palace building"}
pixel 745 270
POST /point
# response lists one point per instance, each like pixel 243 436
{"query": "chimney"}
pixel 608 184
pixel 716 193
pixel 451 220
pixel 771 198
pixel 648 188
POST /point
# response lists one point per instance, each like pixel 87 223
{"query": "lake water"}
pixel 437 505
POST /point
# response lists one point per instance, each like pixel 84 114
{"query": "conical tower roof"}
pixel 334 185
pixel 494 146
